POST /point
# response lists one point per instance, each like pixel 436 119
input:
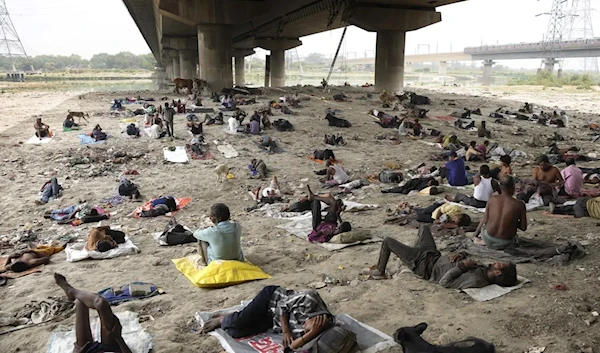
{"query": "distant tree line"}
pixel 102 61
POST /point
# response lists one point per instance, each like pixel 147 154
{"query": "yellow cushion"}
pixel 219 273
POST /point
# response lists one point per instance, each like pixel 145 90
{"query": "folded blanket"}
pixel 77 252
pixel 177 156
pixel 181 203
pixel 129 292
pixel 529 250
pixel 494 291
pixel 136 338
pixel 370 340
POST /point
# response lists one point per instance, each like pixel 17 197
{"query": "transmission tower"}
pixel 554 34
pixel 10 44
pixel 579 26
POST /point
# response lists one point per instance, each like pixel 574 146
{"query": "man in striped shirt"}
pixel 299 316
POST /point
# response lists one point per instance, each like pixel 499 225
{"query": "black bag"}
pixel 117 235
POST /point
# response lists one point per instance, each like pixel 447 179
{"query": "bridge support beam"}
pixel 187 65
pixel 278 48
pixel 389 61
pixel 487 79
pixel 443 68
pixel 215 52
pixel 169 71
pixel 240 65
pixel 176 64
pixel 549 64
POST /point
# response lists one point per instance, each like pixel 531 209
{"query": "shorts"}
pixel 498 244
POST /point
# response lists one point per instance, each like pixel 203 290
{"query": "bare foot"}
pixel 478 241
pixel 38 202
pixel 374 273
pixel 449 198
pixel 211 325
pixel 62 283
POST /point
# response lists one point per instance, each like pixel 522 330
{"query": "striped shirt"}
pixel 297 306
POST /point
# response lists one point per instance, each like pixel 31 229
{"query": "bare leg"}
pixel 204 249
pixel 83 331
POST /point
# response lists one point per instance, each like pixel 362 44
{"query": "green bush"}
pixel 546 79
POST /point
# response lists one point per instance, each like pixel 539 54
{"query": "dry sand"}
pixel 536 315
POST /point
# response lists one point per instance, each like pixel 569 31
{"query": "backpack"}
pixel 336 340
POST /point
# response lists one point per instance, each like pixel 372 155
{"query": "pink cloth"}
pixel 324 232
pixel 482 149
pixel 573 178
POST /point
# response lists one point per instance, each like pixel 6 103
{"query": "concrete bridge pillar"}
pixel 176 64
pixel 187 64
pixel 169 71
pixel 487 79
pixel 278 48
pixel 443 68
pixel 389 61
pixel 240 65
pixel 549 64
pixel 215 51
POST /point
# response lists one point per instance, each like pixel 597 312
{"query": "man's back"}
pixel 224 241
pixel 504 216
pixel 457 176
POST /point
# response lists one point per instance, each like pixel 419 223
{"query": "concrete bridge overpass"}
pixel 206 34
pixel 578 48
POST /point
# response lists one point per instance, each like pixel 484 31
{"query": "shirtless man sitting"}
pixel 545 172
pixel 503 216
pixel 41 130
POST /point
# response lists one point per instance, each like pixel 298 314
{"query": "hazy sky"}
pixel 86 27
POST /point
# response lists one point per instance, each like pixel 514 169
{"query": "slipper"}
pixel 2 281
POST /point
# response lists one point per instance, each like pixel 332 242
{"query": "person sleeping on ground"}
pixel 484 188
pixel 418 184
pixel 267 143
pixel 299 316
pixel 30 258
pixel 76 214
pixel 223 240
pixel 50 190
pixel 269 194
pixel 335 174
pixel 128 189
pixel 451 271
pixel 69 122
pixel 41 130
pixel 448 215
pixel 103 239
pixel 111 339
pixel 503 216
pixel 132 130
pixel 161 206
pixel 98 134
pixel 326 228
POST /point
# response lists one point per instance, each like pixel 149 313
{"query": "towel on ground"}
pixel 529 250
pixel 136 338
pixel 301 227
pixel 74 128
pixel 180 201
pixel 89 140
pixel 77 252
pixel 34 140
pixel 494 291
pixel 320 161
pixel 370 340
pixel 177 156
pixel 129 292
pixel 227 150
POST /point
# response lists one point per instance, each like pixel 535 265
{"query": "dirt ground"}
pixel 535 315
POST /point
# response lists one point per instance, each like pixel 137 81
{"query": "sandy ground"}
pixel 536 315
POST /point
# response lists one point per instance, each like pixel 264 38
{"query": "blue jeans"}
pixel 62 213
pixel 50 190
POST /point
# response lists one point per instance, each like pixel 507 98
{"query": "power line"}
pixel 10 44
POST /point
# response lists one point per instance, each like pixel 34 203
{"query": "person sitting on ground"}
pixel 98 134
pixel 266 122
pixel 299 316
pixel 41 130
pixel 69 122
pixel 195 128
pixel 223 240
pixel 503 216
pixel 451 271
pixel 156 130
pixel 233 125
pixel 448 215
pixel 133 130
pixel 128 189
pixel 417 128
pixel 455 171
pixel 483 132
pixel 335 174
pixel 50 190
pixel 161 206
pixel 239 115
pixel 110 326
pixel 254 127
pixel 546 173
pixel 259 168
pixel 473 154
pixel 573 179
pixel 484 188
pixel 103 239
pixel 325 228
pixel 503 170
pixel 483 148
pixel 267 143
pixel 25 260
pixel 451 143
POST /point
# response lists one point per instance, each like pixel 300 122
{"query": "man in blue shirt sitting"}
pixel 455 171
pixel 223 240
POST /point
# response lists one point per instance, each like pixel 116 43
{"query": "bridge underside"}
pixel 199 38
